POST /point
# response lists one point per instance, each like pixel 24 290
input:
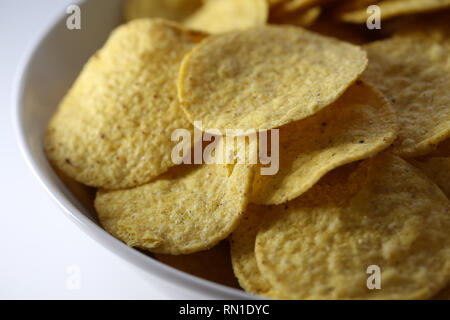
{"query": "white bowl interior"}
pixel 46 75
pixel 52 69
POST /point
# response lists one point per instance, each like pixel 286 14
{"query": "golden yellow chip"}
pixel 438 170
pixel 414 74
pixel 388 8
pixel 358 125
pixel 265 77
pixel 219 16
pixel 188 209
pixel 243 254
pixel 213 265
pixel 176 10
pixel 114 127
pixel 383 225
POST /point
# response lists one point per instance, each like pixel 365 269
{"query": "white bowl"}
pixel 46 73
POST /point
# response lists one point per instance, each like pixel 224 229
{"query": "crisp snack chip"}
pixel 188 209
pixel 218 16
pixel 243 254
pixel 265 77
pixel 388 8
pixel 438 170
pixel 358 125
pixel 319 164
pixel 414 74
pixel 213 264
pixel 113 129
pixel 385 213
pixel 176 10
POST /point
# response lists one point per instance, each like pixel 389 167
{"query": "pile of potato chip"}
pixel 364 151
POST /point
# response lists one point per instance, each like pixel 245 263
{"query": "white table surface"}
pixel 37 242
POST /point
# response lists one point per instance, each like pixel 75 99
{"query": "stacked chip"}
pixel 363 149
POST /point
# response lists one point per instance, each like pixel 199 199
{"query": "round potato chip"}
pixel 414 74
pixel 217 16
pixel 358 125
pixel 388 8
pixel 188 209
pixel 113 129
pixel 243 254
pixel 438 170
pixel 213 264
pixel 384 214
pixel 176 10
pixel 265 77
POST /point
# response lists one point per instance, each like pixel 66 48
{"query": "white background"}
pixel 37 242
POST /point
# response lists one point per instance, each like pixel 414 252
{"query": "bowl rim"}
pixel 94 231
